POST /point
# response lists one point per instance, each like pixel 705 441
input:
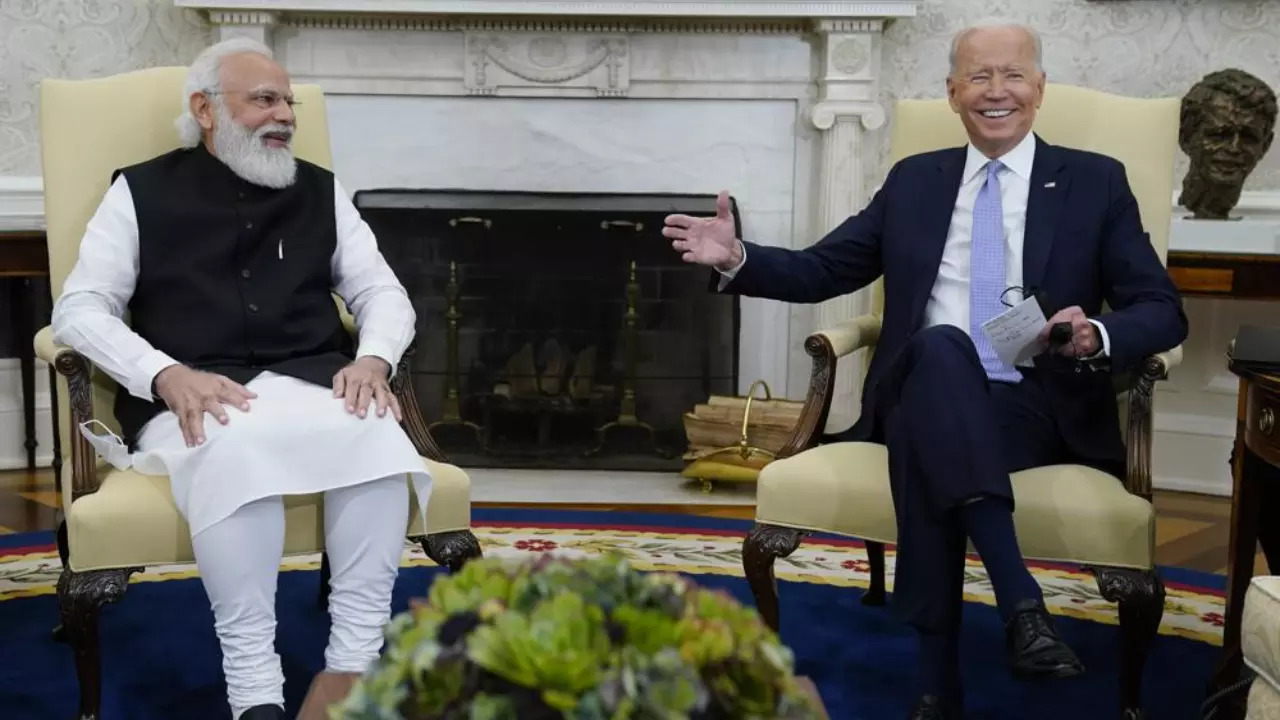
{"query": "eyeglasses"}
pixel 265 99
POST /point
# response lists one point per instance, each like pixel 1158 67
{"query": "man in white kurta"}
pixel 237 380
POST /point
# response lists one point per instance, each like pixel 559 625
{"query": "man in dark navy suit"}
pixel 958 234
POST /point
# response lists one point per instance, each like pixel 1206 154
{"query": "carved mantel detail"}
pixel 597 63
pixel 256 24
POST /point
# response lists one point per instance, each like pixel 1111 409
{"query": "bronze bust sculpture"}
pixel 1227 124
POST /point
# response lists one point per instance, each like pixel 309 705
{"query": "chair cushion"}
pixel 1264 702
pixel 132 520
pixel 1260 633
pixel 1068 513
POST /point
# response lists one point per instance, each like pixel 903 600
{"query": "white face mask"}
pixel 109 446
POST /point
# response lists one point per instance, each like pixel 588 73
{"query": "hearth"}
pixel 556 330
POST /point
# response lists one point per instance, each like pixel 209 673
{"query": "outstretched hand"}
pixel 706 240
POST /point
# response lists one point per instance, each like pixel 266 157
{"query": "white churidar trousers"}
pixel 239 559
pixel 296 438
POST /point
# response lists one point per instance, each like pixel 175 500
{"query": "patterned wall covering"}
pixel 79 39
pixel 1139 47
pixel 1132 47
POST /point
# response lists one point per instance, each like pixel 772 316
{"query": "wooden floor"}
pixel 1191 530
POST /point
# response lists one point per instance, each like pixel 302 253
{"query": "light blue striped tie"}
pixel 987 273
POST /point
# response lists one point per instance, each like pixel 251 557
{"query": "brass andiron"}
pixel 627 410
pixel 450 413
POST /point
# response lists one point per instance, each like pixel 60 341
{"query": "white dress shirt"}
pixel 949 299
pixel 89 314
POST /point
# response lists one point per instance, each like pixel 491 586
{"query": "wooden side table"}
pixel 1255 466
pixel 24 255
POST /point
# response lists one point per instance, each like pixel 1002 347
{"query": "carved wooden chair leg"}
pixel 763 545
pixel 326 572
pixel 81 597
pixel 1140 594
pixel 451 549
pixel 64 552
pixel 875 558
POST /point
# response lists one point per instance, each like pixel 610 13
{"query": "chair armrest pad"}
pixel 46 349
pixel 1169 359
pixel 852 335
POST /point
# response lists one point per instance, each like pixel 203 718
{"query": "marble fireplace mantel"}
pixel 785 91
pixel 571 8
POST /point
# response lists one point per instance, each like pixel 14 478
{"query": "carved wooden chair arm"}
pixel 76 369
pixel 1138 443
pixel 402 385
pixel 826 347
pixel 410 412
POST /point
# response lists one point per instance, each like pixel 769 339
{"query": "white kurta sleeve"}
pixel 383 313
pixel 88 316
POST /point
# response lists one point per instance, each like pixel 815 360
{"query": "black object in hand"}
pixel 1060 334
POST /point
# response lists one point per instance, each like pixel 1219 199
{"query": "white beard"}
pixel 244 151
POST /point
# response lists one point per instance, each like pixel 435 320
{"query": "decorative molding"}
pixel 242 17
pixel 432 23
pixel 824 114
pixel 580 8
pixel 21 203
pixel 495 61
pixel 602 16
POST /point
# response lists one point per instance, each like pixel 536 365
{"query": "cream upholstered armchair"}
pixel 1065 513
pixel 116 523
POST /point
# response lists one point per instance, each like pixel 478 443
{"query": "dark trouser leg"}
pixel 953 440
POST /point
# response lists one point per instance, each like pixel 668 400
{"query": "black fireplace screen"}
pixel 556 330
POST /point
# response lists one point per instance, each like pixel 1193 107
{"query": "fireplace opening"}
pixel 556 330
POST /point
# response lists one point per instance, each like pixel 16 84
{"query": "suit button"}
pixel 241 194
pixel 248 226
pixel 253 308
pixel 245 273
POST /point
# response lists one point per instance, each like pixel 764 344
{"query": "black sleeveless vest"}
pixel 233 278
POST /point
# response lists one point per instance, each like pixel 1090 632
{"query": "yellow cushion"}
pixel 1068 513
pixel 132 519
pixel 1260 636
pixel 1264 702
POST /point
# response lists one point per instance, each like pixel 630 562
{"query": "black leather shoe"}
pixel 263 712
pixel 932 707
pixel 1035 651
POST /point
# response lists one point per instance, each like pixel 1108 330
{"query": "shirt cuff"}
pixel 381 350
pixel 1105 350
pixel 726 276
pixel 148 368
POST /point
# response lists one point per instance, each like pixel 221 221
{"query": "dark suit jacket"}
pixel 1084 244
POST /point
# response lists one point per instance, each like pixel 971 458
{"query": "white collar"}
pixel 1018 160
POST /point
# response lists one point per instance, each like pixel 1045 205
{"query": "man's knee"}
pixel 943 351
pixel 943 341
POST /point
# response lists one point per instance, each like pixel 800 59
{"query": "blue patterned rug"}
pixel 161 659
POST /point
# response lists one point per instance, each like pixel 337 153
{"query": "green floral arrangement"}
pixel 564 639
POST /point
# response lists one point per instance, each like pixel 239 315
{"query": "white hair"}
pixel 993 23
pixel 205 75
